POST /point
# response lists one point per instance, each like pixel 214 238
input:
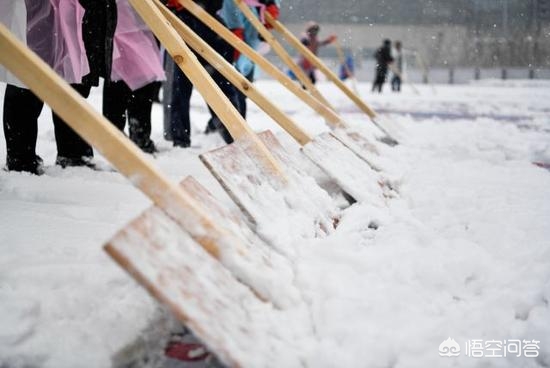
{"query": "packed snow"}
pixel 460 251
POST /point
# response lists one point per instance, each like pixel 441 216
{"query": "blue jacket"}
pixel 234 18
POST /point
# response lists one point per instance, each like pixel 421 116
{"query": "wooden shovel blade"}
pixel 264 200
pixel 354 175
pixel 360 145
pixel 254 263
pixel 240 329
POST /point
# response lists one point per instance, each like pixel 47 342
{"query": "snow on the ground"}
pixel 462 252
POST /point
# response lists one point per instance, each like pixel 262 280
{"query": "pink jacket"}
pixel 53 30
pixel 136 56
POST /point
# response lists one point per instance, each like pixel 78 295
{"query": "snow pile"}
pixel 463 250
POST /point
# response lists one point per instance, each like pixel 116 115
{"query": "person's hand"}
pixel 239 32
pixel 274 11
pixel 331 38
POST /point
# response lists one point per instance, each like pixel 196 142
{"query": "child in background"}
pixel 312 42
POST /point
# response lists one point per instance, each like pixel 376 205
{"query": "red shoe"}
pixel 186 351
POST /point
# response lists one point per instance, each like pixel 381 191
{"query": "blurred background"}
pixel 446 41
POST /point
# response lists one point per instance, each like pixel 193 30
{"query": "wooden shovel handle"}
pixel 108 140
pixel 280 51
pixel 327 113
pixel 202 81
pixel 233 76
pixel 302 49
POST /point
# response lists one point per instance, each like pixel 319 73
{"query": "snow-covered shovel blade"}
pixel 251 261
pixel 273 208
pixel 354 175
pixel 233 323
pixel 361 146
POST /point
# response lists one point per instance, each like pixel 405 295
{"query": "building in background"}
pixel 447 33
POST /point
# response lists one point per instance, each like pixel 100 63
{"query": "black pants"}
pixel 181 88
pixel 311 75
pixel 180 104
pixel 396 83
pixel 379 79
pixel 69 144
pixel 241 97
pixel 21 111
pixel 120 102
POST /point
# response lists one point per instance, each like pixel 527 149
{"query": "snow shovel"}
pixel 302 49
pixel 228 71
pixel 193 218
pixel 356 138
pixel 226 315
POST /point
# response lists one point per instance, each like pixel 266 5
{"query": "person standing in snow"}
pixel 70 45
pixel 383 59
pixel 135 77
pixel 179 101
pixel 311 41
pixel 21 106
pixel 98 28
pixel 242 28
pixel 397 67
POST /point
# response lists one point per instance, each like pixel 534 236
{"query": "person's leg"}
pixel 375 81
pixel 211 124
pixel 21 111
pixel 139 116
pixel 380 79
pixel 116 96
pixel 180 124
pixel 312 77
pixel 231 93
pixel 169 66
pixel 71 149
pixel 241 98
